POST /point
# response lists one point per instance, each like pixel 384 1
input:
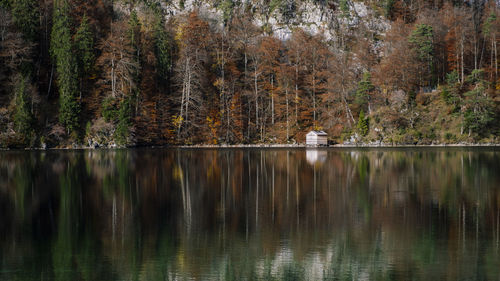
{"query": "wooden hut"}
pixel 316 138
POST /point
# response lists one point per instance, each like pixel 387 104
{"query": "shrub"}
pixel 449 136
pixel 363 124
pixel 122 128
pixel 109 111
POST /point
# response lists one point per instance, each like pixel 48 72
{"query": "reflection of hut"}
pixel 314 156
pixel 317 138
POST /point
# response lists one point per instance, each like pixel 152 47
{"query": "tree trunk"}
pixel 272 99
pixel 462 57
pixel 287 119
pixel 256 99
pixel 296 90
pixel 496 56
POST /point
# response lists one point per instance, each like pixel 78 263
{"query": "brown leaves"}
pixel 14 50
pixel 117 62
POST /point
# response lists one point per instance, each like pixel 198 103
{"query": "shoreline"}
pixel 264 146
pixel 337 146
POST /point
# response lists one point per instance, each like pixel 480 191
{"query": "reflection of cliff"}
pixel 234 214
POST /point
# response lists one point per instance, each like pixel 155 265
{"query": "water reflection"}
pixel 315 155
pixel 382 214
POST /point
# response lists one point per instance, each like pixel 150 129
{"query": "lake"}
pixel 250 214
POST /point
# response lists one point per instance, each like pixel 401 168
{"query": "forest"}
pixel 107 73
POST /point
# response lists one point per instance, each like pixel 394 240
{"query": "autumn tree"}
pixel 459 22
pixel 269 61
pixel 399 68
pixel 119 66
pixel 315 56
pixel 340 84
pixel 225 55
pixel 244 35
pixel 491 30
pixel 295 54
pixel 285 77
pixel 190 73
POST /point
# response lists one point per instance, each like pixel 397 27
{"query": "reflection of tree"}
pixel 249 214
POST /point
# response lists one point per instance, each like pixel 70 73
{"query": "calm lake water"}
pixel 251 214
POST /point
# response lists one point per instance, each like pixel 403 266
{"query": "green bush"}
pixel 124 121
pixel 109 111
pixel 449 136
pixel 23 118
pixel 363 124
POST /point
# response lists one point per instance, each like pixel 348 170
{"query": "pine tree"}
pixel 162 51
pixel 66 66
pixel 134 33
pixel 365 86
pixel 421 40
pixel 227 9
pixel 23 118
pixel 344 7
pixel 84 43
pixel 363 124
pixel 451 92
pixel 389 8
pixel 26 17
pixel 479 113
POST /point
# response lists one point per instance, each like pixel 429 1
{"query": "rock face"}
pixel 280 17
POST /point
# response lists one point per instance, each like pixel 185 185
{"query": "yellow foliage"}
pixel 213 124
pixel 177 121
pixel 179 34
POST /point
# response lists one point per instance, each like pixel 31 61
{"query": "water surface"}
pixel 250 214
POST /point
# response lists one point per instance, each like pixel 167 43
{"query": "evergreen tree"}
pixel 23 118
pixel 344 7
pixel 84 44
pixel 363 124
pixel 162 50
pixel 389 8
pixel 134 33
pixel 451 92
pixel 26 17
pixel 365 86
pixel 66 66
pixel 479 113
pixel 227 9
pixel 421 40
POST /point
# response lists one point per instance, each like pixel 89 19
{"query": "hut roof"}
pixel 317 133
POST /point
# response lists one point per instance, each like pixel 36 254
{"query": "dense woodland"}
pixel 125 72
